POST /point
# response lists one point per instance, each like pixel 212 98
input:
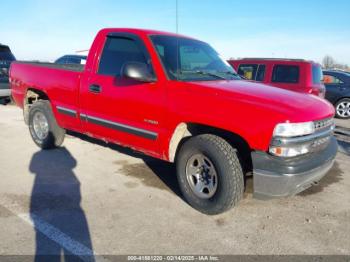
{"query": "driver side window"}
pixel 116 52
pixel 331 80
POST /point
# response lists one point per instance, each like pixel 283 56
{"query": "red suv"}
pixel 293 74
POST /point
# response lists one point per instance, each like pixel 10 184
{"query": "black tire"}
pixel 4 100
pixel 230 182
pixel 55 135
pixel 337 115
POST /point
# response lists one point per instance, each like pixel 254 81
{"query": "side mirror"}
pixel 137 71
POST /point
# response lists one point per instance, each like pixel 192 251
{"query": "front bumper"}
pixel 278 177
pixel 5 90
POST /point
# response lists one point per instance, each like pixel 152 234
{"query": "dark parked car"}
pixel 6 57
pixel 338 91
pixel 71 59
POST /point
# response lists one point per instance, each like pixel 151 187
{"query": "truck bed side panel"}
pixel 60 85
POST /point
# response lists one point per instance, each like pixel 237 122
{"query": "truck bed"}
pixel 62 85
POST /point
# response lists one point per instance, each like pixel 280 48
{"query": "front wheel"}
pixel 342 108
pixel 209 174
pixel 43 127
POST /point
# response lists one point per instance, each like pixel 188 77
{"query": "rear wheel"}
pixel 209 174
pixel 342 108
pixel 43 126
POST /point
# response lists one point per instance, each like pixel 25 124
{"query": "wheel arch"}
pixel 341 98
pixel 184 131
pixel 32 95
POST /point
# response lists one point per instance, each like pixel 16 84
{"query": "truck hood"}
pixel 292 106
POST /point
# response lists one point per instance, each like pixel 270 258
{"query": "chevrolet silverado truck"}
pixel 172 97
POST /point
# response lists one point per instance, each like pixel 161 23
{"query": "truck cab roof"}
pixel 139 31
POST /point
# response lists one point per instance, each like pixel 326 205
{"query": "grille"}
pixel 321 124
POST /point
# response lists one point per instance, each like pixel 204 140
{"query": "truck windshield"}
pixel 191 60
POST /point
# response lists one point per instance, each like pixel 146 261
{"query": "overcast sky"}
pixel 45 30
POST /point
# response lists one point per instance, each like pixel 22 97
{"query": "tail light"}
pixel 318 91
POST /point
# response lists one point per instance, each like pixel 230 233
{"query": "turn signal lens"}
pixel 289 151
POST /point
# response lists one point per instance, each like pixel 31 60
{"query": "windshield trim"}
pixel 159 59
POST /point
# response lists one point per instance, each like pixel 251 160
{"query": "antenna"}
pixel 177 39
pixel 177 17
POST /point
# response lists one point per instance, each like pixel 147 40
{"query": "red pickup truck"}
pixel 172 97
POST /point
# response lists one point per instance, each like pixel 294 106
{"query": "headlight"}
pixel 294 129
pixel 289 131
pixel 294 139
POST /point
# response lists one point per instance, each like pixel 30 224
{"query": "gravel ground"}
pixel 91 197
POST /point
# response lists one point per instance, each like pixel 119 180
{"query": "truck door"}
pixel 122 110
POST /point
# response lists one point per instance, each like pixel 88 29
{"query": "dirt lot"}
pixel 89 196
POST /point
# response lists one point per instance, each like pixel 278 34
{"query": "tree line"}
pixel 329 62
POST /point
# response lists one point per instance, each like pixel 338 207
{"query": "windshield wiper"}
pixel 199 72
pixel 232 73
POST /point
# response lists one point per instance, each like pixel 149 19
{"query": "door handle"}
pixel 96 89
